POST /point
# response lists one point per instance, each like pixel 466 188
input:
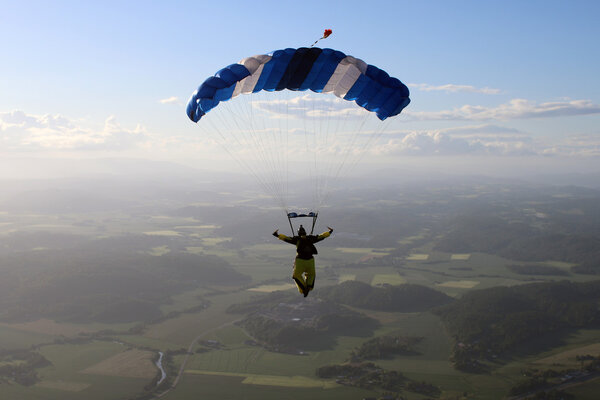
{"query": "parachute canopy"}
pixel 295 141
pixel 320 70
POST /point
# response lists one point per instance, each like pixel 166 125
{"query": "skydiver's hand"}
pixel 276 233
pixel 330 229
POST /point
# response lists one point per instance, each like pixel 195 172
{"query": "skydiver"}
pixel 304 264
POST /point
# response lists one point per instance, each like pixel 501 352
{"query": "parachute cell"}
pixel 286 130
pixel 315 69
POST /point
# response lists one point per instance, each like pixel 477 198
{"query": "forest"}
pixel 417 287
pixel 109 283
pixel 491 323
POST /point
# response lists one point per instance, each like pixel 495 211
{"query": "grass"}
pixel 163 233
pixel 460 257
pixel 346 277
pixel 47 327
pixel 183 329
pixel 213 241
pixel 364 250
pixel 72 359
pixel 567 358
pixel 390 279
pixel 586 391
pixel 159 251
pixel 255 367
pixel 272 288
pixel 150 343
pixel 183 301
pixel 63 380
pixel 581 341
pixel 459 284
pixel 132 363
pixel 558 264
pixel 232 387
pixel 63 385
pixel 274 380
pixel 248 372
pixel 12 338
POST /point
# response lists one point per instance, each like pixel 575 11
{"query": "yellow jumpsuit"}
pixel 304 264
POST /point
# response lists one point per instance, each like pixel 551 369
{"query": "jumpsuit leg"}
pixel 304 275
pixel 310 275
pixel 302 267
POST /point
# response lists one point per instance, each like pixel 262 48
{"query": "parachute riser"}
pixel 313 215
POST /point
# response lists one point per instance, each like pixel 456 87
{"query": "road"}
pixel 560 386
pixel 189 353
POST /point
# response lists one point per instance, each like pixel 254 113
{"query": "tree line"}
pixel 487 324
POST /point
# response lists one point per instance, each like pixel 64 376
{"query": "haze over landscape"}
pixel 136 256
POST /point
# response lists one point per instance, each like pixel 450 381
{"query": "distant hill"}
pixel 102 284
pixel 300 324
pixel 401 298
pixel 490 322
pixel 562 231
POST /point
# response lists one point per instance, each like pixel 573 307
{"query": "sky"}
pixel 496 87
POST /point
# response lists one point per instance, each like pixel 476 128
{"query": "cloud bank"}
pixel 452 88
pixel 514 109
pixel 23 132
pixel 20 131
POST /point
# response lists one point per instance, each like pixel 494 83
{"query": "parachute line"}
pixel 295 141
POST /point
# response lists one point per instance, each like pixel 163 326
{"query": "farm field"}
pixel 585 391
pixel 84 371
pixel 79 370
pixel 232 387
pixel 121 364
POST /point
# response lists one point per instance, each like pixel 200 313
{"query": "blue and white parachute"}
pixel 320 70
pixel 286 132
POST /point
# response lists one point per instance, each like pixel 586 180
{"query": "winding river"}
pixel 158 363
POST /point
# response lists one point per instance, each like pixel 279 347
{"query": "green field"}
pixel 273 380
pixel 11 338
pixel 585 391
pixel 232 387
pixel 240 370
pixel 64 379
pixel 389 279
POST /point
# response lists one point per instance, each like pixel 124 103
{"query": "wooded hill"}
pixel 400 298
pixel 385 347
pixel 522 241
pixel 491 323
pixel 102 284
pixel 293 324
pixel 284 320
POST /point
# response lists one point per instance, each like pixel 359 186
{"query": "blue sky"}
pixel 500 83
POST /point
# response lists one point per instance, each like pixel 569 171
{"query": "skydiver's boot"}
pixel 308 289
pixel 301 287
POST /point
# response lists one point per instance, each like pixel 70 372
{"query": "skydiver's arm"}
pixel 283 237
pixel 324 235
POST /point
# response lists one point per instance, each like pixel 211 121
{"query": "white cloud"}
pixel 576 145
pixel 487 133
pixel 427 143
pixel 514 109
pixel 466 140
pixel 27 132
pixel 170 100
pixel 309 106
pixel 452 88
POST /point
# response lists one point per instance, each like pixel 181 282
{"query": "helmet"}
pixel 301 231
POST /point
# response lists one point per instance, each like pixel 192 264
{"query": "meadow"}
pixel 77 372
pixel 238 368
